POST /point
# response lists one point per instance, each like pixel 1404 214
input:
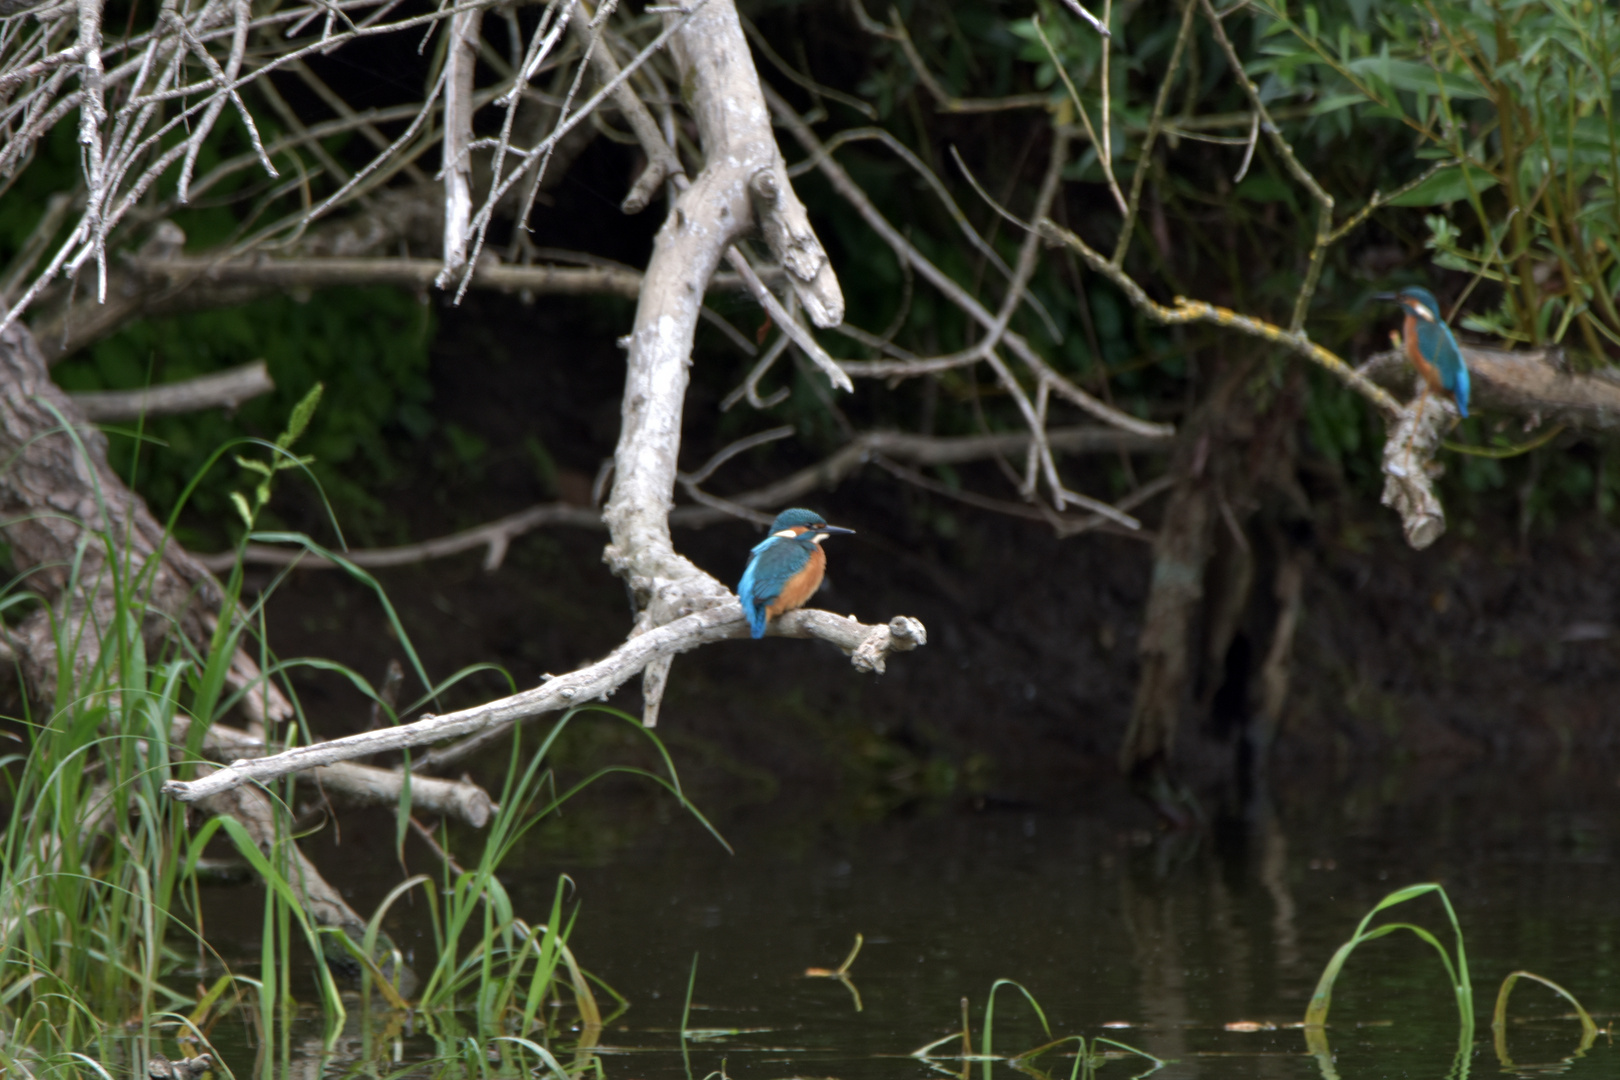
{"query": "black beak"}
pixel 837 529
pixel 1386 296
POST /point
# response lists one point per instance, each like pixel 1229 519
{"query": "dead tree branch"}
pixel 744 185
pixel 223 390
pixel 879 447
pixel 147 286
pixel 355 784
pixel 869 648
pixel 1533 383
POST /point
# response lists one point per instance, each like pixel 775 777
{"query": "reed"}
pixel 1456 968
pixel 102 926
pixel 1088 1054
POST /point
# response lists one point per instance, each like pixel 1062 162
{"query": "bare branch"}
pixel 878 447
pixel 494 537
pixel 1533 383
pixel 868 646
pixel 1409 450
pixel 169 284
pixel 1021 348
pixel 662 163
pixel 1096 23
pixel 225 389
pixel 948 102
pixel 1190 311
pixel 358 785
pixel 786 320
pixel 461 58
pixel 92 114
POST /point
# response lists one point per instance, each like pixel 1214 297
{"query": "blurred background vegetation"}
pixel 1505 108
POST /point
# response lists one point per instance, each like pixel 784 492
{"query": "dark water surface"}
pixel 1202 950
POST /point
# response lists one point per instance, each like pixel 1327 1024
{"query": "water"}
pixel 1202 957
pixel 1202 951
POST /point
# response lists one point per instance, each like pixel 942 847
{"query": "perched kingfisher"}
pixel 785 569
pixel 1430 346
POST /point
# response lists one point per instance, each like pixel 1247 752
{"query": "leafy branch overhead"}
pixel 1515 103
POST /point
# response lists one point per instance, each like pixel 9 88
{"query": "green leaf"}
pixel 242 509
pixel 1262 187
pixel 301 415
pixel 252 466
pixel 1447 185
pixel 1335 102
pixel 1412 76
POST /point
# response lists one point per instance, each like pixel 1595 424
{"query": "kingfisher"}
pixel 785 569
pixel 1430 346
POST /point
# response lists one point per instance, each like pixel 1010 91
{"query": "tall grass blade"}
pixel 1589 1030
pixel 1456 973
pixel 686 1016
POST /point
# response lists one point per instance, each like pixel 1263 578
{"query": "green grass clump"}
pixel 1089 1054
pixel 105 958
pixel 1456 967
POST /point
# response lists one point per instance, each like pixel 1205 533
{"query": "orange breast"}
pixel 801 586
pixel 1430 373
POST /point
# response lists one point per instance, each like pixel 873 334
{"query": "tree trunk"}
pixel 78 535
pixel 1203 463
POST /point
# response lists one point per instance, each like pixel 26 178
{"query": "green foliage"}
pixel 101 918
pixel 1515 102
pixel 367 347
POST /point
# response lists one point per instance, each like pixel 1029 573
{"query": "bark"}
pixel 359 785
pixel 1180 553
pixel 1217 471
pixel 78 535
pixel 81 538
pixel 1409 452
pixel 462 59
pixel 1533 383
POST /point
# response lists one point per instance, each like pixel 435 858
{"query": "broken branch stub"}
pixel 1409 452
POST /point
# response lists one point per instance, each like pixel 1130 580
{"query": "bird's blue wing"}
pixel 773 561
pixel 1453 371
pixel 751 606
